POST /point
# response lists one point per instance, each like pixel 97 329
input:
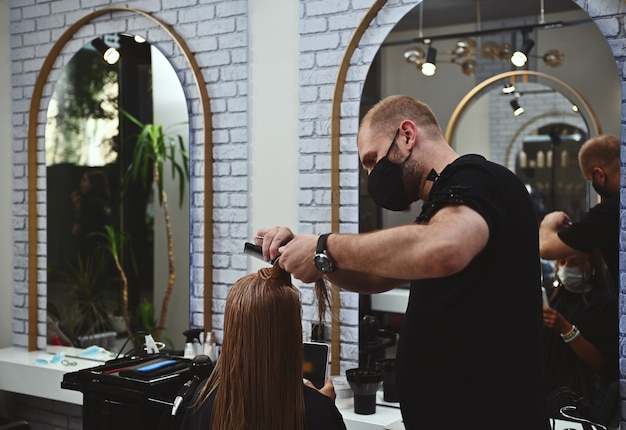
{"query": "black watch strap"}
pixel 321 243
pixel 321 259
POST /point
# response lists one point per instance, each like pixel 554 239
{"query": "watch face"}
pixel 322 263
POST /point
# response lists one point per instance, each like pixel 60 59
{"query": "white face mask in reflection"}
pixel 573 279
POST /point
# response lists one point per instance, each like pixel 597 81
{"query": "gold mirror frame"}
pixel 335 151
pixel 33 213
pixel 524 74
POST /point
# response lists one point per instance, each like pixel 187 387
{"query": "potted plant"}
pixel 112 244
pixel 155 148
pixel 86 317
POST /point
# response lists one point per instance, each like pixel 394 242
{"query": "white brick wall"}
pixel 216 32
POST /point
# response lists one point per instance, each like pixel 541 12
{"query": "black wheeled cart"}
pixel 137 393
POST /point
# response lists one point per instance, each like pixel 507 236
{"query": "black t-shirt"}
pixel 321 413
pixel 470 351
pixel 599 228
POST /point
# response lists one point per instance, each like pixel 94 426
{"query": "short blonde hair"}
pixel 600 151
pixel 386 115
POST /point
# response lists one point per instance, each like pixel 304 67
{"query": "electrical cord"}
pixel 579 420
pixel 133 335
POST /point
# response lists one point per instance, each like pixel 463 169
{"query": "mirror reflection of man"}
pixel 599 161
pixel 470 347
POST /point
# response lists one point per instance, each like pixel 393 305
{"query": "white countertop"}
pixel 21 373
pixel 394 301
pixel 386 417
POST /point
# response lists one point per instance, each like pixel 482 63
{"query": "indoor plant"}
pixel 154 148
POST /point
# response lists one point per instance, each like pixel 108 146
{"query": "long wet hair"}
pixel 259 372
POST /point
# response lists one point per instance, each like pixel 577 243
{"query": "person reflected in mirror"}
pixel 257 382
pixel 92 208
pixel 471 342
pixel 560 236
pixel 581 339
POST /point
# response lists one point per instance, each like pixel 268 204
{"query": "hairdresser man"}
pixel 599 161
pixel 469 353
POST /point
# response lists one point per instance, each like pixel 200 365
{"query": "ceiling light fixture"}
pixel 553 58
pixel 468 67
pixel 429 67
pixel 517 109
pixel 109 54
pixel 415 55
pixel 466 47
pixel 508 88
pixel 520 56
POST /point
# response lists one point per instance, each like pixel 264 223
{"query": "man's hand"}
pixel 295 251
pixel 296 257
pixel 271 239
pixel 555 221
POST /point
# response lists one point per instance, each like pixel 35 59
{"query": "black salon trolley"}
pixel 137 393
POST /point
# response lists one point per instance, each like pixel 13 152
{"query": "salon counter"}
pixel 385 418
pixel 21 373
pixel 389 418
pixel 30 373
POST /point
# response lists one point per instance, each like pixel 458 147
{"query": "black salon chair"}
pixel 610 413
pixel 15 425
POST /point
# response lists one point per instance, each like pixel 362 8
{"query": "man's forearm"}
pixel 551 247
pixel 362 282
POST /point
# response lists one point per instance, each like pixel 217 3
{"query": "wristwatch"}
pixel 321 258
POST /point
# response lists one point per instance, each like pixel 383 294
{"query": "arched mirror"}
pixel 540 128
pixel 568 47
pixel 154 104
pixel 109 238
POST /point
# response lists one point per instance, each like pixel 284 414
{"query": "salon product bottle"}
pixel 192 342
pixel 210 348
pixel 190 351
pixel 523 161
pixel 197 347
pixel 564 158
pixel 549 159
pixel 541 163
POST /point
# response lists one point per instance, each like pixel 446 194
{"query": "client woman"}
pixel 581 337
pixel 257 382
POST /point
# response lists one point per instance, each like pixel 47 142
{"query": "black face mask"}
pixel 385 185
